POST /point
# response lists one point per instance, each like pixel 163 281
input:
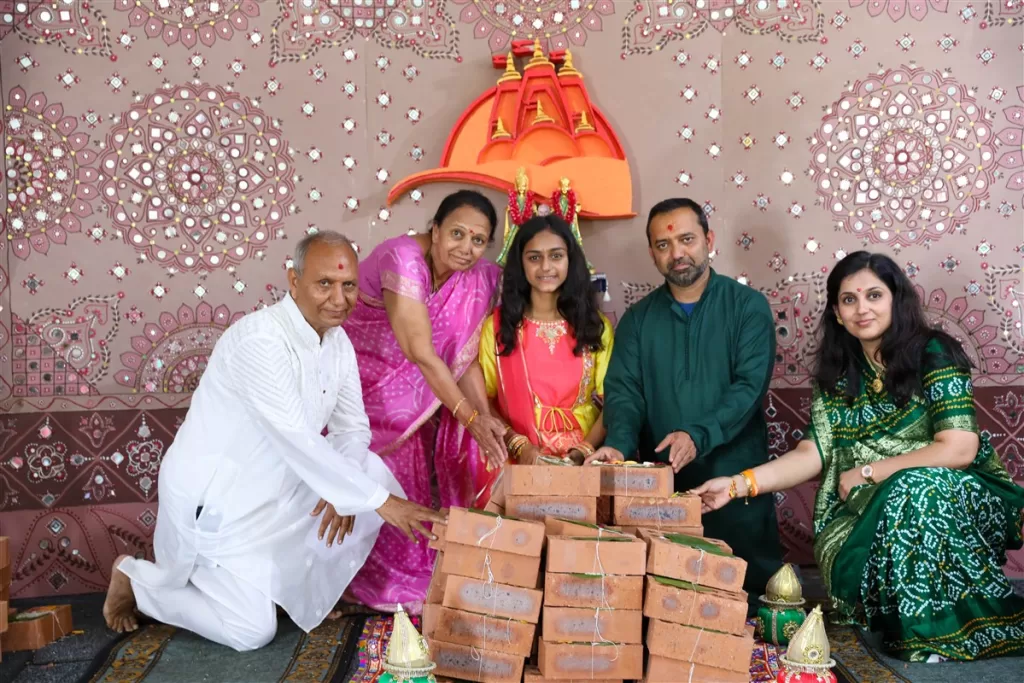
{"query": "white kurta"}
pixel 251 453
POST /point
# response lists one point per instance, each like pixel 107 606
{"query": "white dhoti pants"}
pixel 215 604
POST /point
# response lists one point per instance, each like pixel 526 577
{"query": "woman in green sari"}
pixel 915 510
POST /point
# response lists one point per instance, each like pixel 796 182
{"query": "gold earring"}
pixel 840 320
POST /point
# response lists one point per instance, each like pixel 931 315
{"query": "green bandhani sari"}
pixel 922 551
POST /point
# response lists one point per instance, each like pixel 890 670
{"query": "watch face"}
pixel 867 471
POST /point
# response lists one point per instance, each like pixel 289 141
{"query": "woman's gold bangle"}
pixel 748 476
pixel 455 413
pixel 471 418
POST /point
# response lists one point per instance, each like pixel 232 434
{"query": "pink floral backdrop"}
pixel 162 156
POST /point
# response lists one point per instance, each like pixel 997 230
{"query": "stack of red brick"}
pixel 643 497
pixel 484 602
pixel 539 491
pixel 593 596
pixel 697 611
pixel 33 628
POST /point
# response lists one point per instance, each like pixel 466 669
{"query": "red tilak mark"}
pixel 671 227
pixel 341 266
pixel 858 289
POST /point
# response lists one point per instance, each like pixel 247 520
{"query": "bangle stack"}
pixel 516 444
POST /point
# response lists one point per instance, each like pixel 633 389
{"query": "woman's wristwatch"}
pixel 866 472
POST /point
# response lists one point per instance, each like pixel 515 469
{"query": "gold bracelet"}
pixel 471 418
pixel 455 413
pixel 732 488
pixel 748 476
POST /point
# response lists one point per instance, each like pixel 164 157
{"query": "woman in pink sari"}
pixel 416 333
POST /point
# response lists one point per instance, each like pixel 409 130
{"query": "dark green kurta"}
pixel 705 374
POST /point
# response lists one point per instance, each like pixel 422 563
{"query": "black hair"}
pixel 902 348
pixel 674 204
pixel 472 199
pixel 576 299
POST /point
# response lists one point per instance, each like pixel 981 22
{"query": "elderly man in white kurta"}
pixel 239 528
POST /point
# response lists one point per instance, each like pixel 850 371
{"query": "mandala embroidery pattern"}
pixel 77 26
pixel 797 303
pixel 559 24
pixel 46 461
pixel 897 9
pixel 651 24
pixel 304 27
pixel 904 158
pixel 49 178
pixel 1004 289
pixel 197 177
pixel 64 352
pixel 190 22
pixel 1011 151
pixel 171 356
pixel 990 346
pixel 12 13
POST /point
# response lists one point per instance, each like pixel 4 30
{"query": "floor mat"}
pixel 164 654
pixel 352 648
pixel 860 659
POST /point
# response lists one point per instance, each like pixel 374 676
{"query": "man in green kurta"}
pixel 687 380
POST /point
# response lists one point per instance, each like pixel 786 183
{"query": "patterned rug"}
pixel 164 654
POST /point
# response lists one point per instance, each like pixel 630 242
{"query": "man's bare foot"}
pixel 119 607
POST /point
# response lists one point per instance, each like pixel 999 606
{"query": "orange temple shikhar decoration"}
pixel 540 124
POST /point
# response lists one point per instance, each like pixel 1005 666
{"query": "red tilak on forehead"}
pixel 671 227
pixel 341 266
pixel 858 289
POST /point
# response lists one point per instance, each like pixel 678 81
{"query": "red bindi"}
pixel 858 289
pixel 670 227
pixel 341 266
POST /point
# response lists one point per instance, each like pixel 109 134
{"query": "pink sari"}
pixel 415 439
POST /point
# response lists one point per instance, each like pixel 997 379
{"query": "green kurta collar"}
pixel 667 294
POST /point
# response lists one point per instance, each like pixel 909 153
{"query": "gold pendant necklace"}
pixel 878 383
